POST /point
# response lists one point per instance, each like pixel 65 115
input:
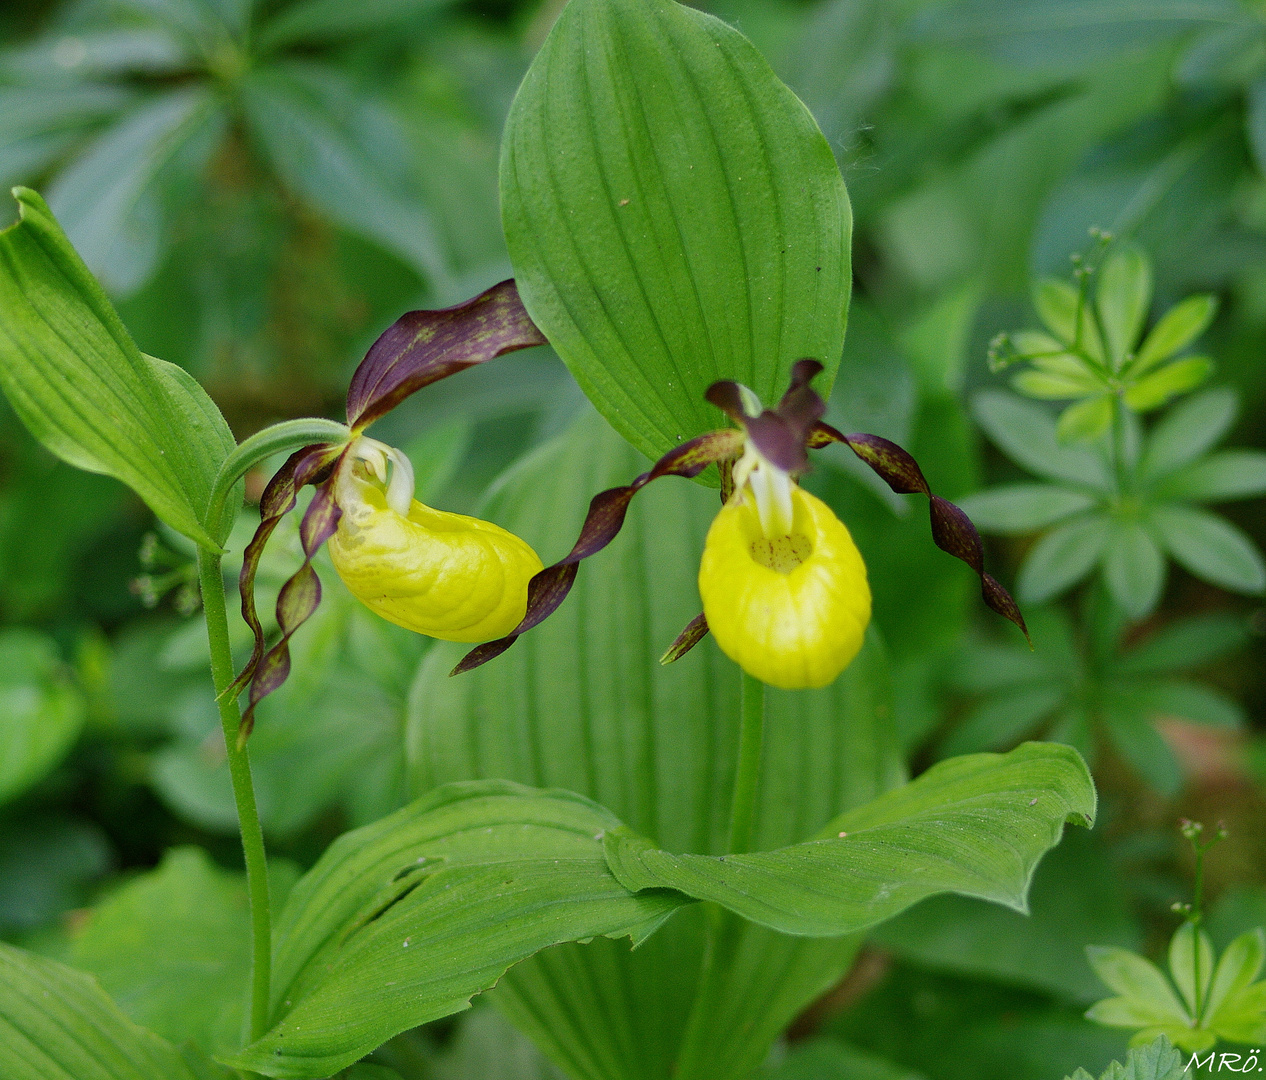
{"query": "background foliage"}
pixel 262 188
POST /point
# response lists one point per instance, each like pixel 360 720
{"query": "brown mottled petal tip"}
pixel 602 524
pixel 696 630
pixel 952 530
pixel 422 347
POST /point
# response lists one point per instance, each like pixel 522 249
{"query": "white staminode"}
pixel 770 485
pixel 400 483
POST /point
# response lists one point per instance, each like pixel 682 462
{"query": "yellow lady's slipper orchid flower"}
pixel 440 574
pixel 445 575
pixel 791 607
pixel 783 585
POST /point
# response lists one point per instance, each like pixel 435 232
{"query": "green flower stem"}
pixel 725 929
pixel 289 435
pixel 243 790
pixel 751 732
pixel 277 439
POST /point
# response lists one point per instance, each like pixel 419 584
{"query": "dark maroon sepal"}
pixel 312 464
pixel 422 347
pixel 298 599
pixel 276 502
pixel 607 510
pixel 696 630
pixel 952 530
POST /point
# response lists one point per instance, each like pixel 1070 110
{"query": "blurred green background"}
pixel 264 187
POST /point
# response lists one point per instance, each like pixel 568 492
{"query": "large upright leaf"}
pixel 582 702
pixel 673 215
pixel 405 920
pixel 77 380
pixel 58 1024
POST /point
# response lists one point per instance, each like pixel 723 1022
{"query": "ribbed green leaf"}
pixel 405 920
pixel 1062 558
pixel 1021 508
pixel 1189 429
pixel 1133 568
pixel 975 825
pixel 79 383
pixel 673 214
pixel 57 1024
pixel 1211 548
pixel 582 702
pixel 1123 298
pixel 1027 433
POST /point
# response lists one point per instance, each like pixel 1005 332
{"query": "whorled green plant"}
pixel 1216 998
pixel 1115 495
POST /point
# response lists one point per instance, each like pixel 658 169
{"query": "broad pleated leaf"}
pixel 975 825
pixel 582 702
pixel 77 380
pixel 405 920
pixel 673 214
pixel 58 1024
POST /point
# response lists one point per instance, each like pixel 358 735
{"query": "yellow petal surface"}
pixel 445 575
pixel 789 610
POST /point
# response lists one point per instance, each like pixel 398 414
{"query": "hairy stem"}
pixel 751 732
pixel 212 582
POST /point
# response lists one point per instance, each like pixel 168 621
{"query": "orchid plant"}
pixel 682 277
